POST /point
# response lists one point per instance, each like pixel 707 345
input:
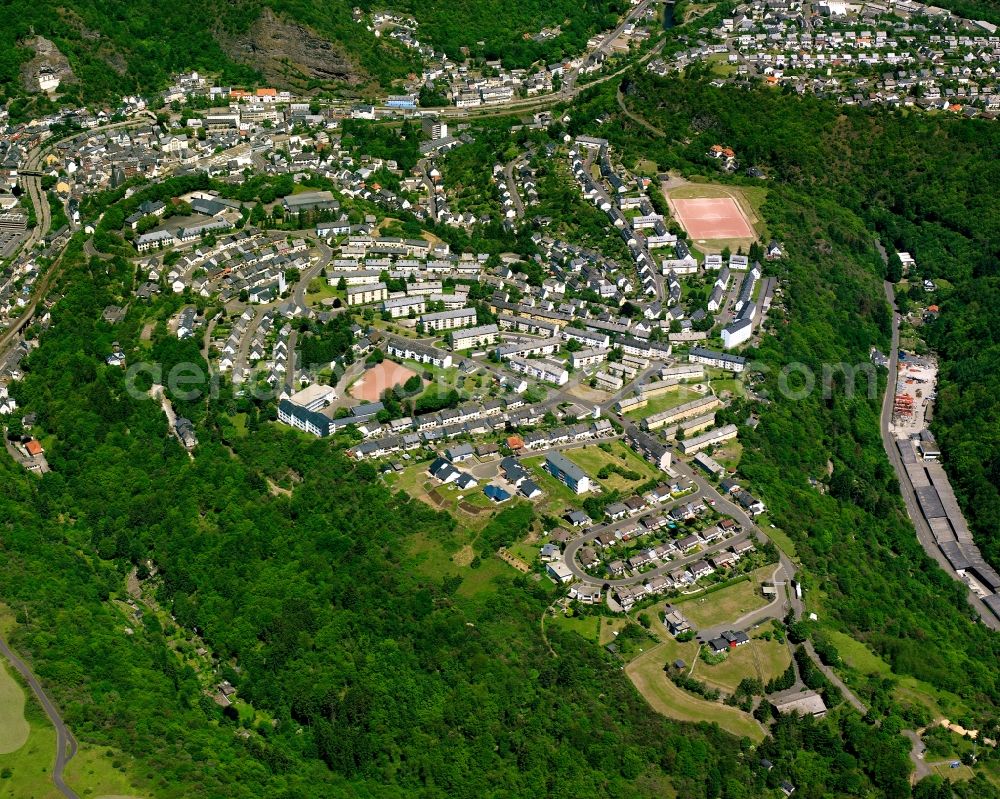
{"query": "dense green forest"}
pixel 969 399
pixel 509 35
pixel 121 48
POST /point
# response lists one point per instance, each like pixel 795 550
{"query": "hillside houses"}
pixel 857 55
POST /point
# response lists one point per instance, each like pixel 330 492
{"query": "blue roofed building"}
pixel 496 493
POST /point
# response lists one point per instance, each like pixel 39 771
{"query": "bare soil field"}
pixel 374 381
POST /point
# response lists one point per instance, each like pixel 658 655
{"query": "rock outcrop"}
pixel 48 63
pixel 290 55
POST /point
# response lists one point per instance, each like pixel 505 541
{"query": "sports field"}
pixel 717 216
pixel 374 381
pixel 706 218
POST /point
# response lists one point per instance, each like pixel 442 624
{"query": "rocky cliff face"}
pixel 291 55
pixel 47 60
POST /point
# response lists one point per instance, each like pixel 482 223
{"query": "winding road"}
pixel 639 120
pixel 65 742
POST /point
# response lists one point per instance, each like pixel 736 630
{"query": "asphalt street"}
pixel 65 742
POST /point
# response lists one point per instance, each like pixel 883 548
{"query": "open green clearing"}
pixel 558 497
pixel 727 604
pixel 610 628
pixel 525 551
pixel 856 655
pixel 441 559
pixel 780 538
pixel 103 773
pixel 719 65
pixel 945 771
pixel 907 690
pixel 319 289
pixel 592 459
pixel 482 581
pixel 665 402
pixel 728 454
pixel 14 727
pixel 30 766
pixel 587 626
pixel 759 658
pixel 93 771
pixel 648 676
pixel 731 385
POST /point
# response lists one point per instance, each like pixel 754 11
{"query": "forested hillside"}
pixel 136 45
pixel 926 184
pixel 969 404
pixel 510 35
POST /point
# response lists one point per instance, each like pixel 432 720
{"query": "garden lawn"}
pixel 592 459
pixel 759 659
pixel 664 402
pixel 727 604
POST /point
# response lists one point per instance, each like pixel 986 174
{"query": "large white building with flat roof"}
pixel 314 397
pixel 449 320
pixel 474 337
pixel 362 295
pixel 567 472
pixel 540 369
pixel 401 306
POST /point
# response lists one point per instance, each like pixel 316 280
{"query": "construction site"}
pixel 916 383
